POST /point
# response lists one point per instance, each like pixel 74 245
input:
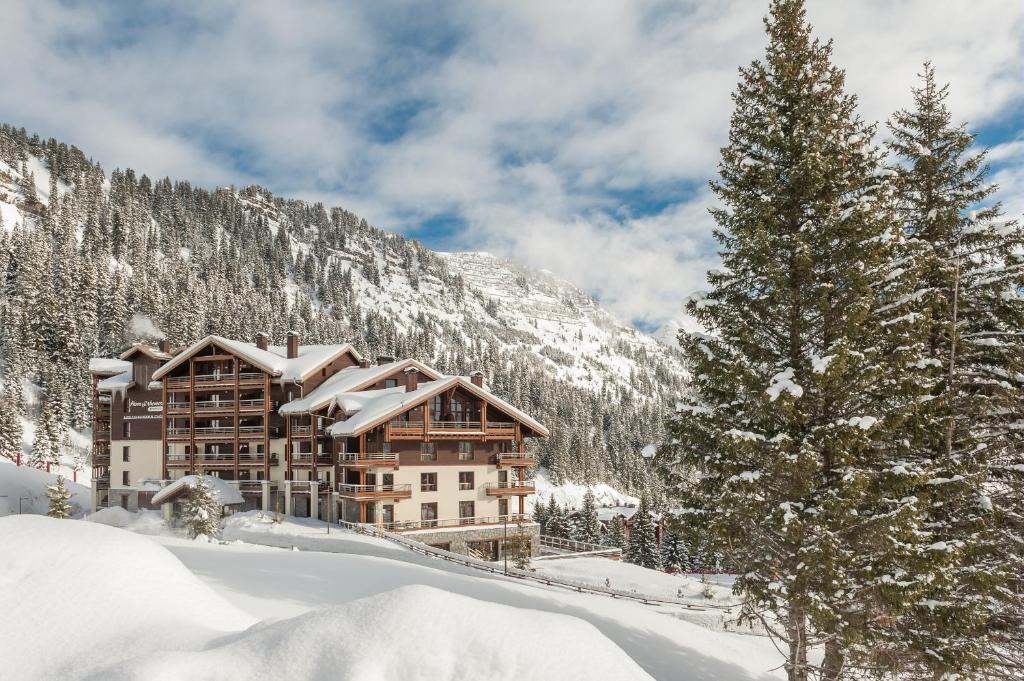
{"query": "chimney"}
pixel 293 344
pixel 262 340
pixel 163 346
pixel 385 359
pixel 412 379
pixel 364 363
pixel 477 377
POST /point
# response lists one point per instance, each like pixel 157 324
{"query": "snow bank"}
pixel 77 596
pixel 143 521
pixel 413 633
pixel 571 494
pixel 26 487
pixel 260 527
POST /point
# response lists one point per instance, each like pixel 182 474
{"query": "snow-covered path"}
pixel 278 583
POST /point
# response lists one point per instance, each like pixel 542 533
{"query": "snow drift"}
pixel 77 596
pixel 27 486
pixel 413 633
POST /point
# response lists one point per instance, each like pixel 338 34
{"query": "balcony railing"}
pixel 368 459
pixel 213 405
pixel 501 428
pixel 101 435
pixel 470 426
pixel 254 486
pixel 244 458
pixel 510 487
pixel 375 491
pixel 516 459
pixel 405 526
pixel 249 405
pixel 102 482
pixel 307 458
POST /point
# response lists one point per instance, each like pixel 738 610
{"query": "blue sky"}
pixel 575 136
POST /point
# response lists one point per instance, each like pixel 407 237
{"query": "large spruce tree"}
pixel 971 270
pixel 791 443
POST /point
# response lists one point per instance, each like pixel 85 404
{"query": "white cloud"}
pixel 538 123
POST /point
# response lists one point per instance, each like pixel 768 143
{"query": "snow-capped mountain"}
pixel 149 257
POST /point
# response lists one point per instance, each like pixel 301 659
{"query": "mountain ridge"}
pixel 235 261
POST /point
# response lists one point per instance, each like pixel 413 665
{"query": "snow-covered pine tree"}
pixel 10 418
pixel 673 552
pixel 643 540
pixel 790 443
pixel 201 513
pixel 60 499
pixel 557 523
pixel 540 515
pixel 49 438
pixel 973 445
pixel 589 529
pixel 616 535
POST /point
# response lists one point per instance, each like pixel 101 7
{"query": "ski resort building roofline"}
pixel 292 362
pixel 315 431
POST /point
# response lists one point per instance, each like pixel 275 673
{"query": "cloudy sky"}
pixel 573 136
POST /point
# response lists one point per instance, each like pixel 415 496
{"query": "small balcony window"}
pixel 428 482
pixel 428 451
pixel 465 480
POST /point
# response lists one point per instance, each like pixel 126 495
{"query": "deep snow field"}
pixel 90 600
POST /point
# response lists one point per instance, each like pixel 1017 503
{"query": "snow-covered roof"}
pixel 121 381
pixel 370 408
pixel 106 365
pixel 223 493
pixel 274 360
pixel 350 380
pixel 145 349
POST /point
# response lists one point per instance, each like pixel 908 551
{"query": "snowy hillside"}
pixel 93 601
pixel 164 259
pixel 578 338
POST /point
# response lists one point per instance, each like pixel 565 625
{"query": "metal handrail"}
pixel 368 456
pixel 407 525
pixel 346 488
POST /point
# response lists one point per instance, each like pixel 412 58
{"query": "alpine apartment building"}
pixel 314 431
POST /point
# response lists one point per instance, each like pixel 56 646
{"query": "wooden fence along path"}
pixel 495 569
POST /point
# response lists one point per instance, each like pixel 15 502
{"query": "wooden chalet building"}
pixel 316 431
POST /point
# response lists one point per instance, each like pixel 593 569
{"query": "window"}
pixel 465 451
pixel 388 479
pixel 428 482
pixel 390 382
pixel 388 513
pixel 428 514
pixel 126 454
pixel 125 479
pixel 502 506
pixel 428 451
pixel 465 480
pixel 467 509
pixel 126 428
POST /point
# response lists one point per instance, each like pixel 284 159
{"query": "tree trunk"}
pixel 835 660
pixel 796 662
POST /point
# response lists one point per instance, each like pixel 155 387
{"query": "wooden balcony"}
pixel 306 486
pixel 306 459
pixel 101 435
pixel 101 482
pixel 254 486
pixel 208 406
pixel 368 459
pixel 373 492
pixel 510 459
pixel 178 407
pixel 101 459
pixel 495 521
pixel 507 489
pixel 450 429
pixel 251 405
pixel 220 459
